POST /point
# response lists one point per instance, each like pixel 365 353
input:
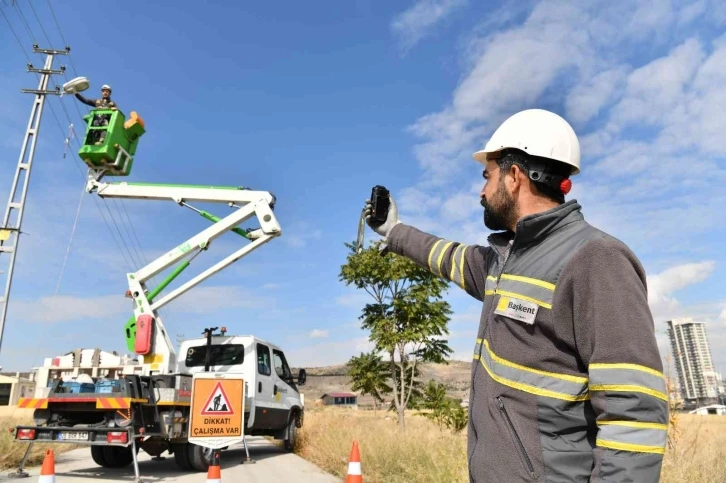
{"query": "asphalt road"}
pixel 273 464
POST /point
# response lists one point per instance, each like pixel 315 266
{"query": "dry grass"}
pixel 422 454
pixel 426 454
pixel 11 453
pixel 698 452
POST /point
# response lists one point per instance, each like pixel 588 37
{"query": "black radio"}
pixel 380 202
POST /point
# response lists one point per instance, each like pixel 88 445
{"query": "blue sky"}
pixel 319 102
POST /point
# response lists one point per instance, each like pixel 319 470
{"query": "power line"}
pixel 122 245
pixel 15 34
pixel 25 23
pixel 40 23
pixel 132 235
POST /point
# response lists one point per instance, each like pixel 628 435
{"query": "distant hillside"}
pixel 454 375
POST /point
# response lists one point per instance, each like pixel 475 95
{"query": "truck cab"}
pixel 273 404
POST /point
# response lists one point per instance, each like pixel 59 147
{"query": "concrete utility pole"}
pixel 10 231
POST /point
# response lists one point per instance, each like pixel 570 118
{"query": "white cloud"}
pixel 415 22
pixel 318 333
pixel 460 206
pixel 588 98
pixel 722 316
pixel 59 309
pixel 662 286
pixel 356 299
pixel 656 87
pixel 62 308
pixel 298 234
pixel 203 299
pixel 414 200
pixel 328 353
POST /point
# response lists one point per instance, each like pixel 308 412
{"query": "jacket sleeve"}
pixel 85 101
pixel 465 265
pixel 615 337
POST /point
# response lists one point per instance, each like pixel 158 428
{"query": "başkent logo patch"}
pixel 517 309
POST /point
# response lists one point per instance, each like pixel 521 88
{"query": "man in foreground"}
pixel 567 382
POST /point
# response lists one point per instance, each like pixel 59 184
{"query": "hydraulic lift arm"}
pixel 160 356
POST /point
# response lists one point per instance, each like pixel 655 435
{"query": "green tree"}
pixel 456 417
pixel 407 317
pixel 370 374
pixel 435 400
pixel 414 385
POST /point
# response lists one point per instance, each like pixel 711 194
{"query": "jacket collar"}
pixel 534 227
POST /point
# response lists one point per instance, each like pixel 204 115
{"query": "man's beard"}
pixel 501 213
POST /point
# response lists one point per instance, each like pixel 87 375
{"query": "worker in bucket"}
pixel 104 102
pixel 567 380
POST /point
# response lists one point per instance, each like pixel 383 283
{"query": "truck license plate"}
pixel 74 435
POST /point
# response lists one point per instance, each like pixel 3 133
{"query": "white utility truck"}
pixel 152 410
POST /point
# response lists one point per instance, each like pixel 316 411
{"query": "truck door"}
pixel 285 388
pixel 266 407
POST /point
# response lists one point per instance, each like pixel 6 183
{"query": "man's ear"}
pixel 517 177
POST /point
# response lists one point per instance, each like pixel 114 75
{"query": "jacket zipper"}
pixel 522 451
pixel 501 268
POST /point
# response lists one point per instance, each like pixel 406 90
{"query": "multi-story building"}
pixel 698 380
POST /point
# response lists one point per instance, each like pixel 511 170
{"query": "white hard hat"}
pixel 539 133
pixel 106 86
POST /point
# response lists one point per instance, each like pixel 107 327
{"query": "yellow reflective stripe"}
pixel 505 362
pixel 635 367
pixel 534 381
pixel 634 424
pixel 489 285
pixel 431 253
pixel 639 448
pixel 529 388
pixel 458 259
pixel 628 388
pixel 532 281
pixel 524 297
pixel 461 267
pixel 441 257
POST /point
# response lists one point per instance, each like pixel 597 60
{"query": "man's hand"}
pixel 384 228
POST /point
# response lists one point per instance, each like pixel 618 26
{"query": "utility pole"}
pixel 10 230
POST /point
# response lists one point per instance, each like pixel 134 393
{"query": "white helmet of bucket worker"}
pixel 538 133
pixel 106 86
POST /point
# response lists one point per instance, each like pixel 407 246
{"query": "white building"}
pixel 697 377
pixel 15 386
pixel 715 409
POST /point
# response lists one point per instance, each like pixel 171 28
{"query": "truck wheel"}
pixel 117 456
pixel 199 456
pixel 181 457
pixel 98 456
pixel 291 433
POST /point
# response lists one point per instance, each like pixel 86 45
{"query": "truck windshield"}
pixel 222 355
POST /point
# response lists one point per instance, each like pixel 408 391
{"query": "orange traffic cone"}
pixel 354 469
pixel 214 473
pixel 47 471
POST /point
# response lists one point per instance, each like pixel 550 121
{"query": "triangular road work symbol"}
pixel 218 403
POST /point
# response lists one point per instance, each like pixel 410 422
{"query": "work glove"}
pixel 392 220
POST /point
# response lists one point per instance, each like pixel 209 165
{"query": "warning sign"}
pixel 218 404
pixel 217 409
